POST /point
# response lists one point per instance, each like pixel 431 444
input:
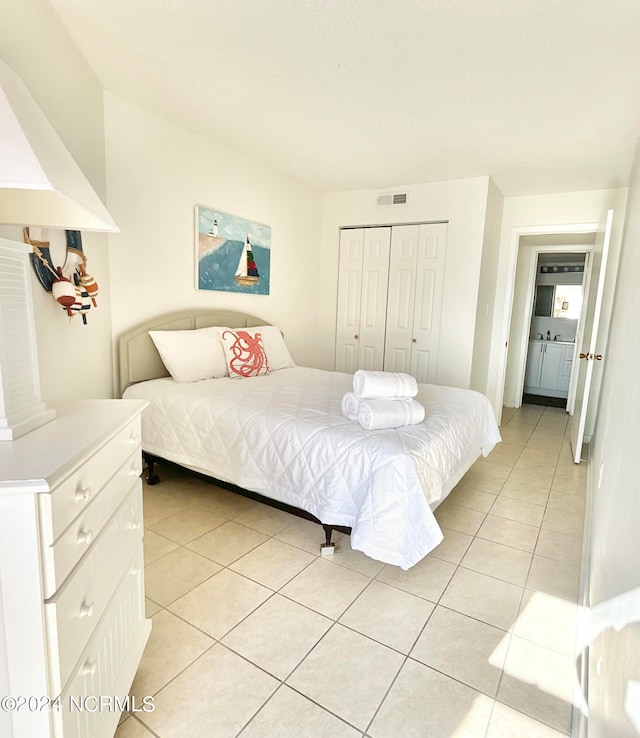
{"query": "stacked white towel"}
pixel 383 400
pixel 390 413
pixel 374 385
pixel 350 406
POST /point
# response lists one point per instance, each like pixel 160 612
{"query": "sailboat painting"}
pixel 232 254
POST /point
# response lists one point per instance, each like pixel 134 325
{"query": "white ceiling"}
pixel 543 95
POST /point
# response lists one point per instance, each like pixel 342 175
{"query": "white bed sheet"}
pixel 283 435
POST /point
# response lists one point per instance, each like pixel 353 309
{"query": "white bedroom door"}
pixel 362 293
pixel 414 304
pixel 588 349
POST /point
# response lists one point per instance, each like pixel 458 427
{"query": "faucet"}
pixel 557 336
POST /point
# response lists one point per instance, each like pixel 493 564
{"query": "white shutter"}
pixel 20 406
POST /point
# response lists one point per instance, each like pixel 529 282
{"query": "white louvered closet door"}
pixel 414 306
pixel 360 327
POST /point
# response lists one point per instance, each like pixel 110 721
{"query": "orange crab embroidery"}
pixel 249 357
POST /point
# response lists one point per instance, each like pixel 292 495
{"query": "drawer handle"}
pixel 85 536
pixel 135 470
pixel 136 525
pixel 82 493
pixel 89 668
pixel 86 611
pixel 134 440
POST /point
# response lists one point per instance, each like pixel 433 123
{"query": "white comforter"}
pixel 283 435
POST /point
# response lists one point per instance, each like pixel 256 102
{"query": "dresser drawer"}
pixel 73 613
pixel 68 499
pixel 59 558
pixel 108 664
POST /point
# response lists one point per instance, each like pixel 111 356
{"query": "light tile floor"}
pixel 256 635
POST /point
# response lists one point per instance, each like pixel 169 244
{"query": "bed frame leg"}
pixel 152 478
pixel 327 548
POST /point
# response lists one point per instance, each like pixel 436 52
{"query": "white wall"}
pixel 614 585
pixel 487 290
pixel 75 360
pixel 565 328
pixel 543 213
pixel 521 302
pixel 463 204
pixel 157 172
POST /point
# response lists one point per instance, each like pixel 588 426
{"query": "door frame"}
pixel 514 245
pixel 528 313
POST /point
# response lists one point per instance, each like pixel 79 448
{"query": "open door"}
pixel 588 355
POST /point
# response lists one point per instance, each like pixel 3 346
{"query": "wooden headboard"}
pixel 138 358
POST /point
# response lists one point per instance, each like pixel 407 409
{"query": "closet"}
pixel 390 290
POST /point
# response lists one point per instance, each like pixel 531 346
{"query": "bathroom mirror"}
pixel 558 301
pixel 544 300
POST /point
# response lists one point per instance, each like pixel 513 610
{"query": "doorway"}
pixel 557 303
pixel 541 257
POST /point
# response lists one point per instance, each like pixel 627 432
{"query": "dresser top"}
pixel 37 461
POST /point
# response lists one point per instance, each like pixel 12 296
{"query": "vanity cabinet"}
pixel 548 369
pixel 72 621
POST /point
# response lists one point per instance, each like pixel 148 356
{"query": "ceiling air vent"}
pixel 399 198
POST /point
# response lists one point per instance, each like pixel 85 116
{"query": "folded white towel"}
pixel 370 385
pixel 389 413
pixel 350 406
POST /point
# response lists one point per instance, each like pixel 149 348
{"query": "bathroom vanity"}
pixel 548 368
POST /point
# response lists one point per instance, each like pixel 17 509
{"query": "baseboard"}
pixel 548 400
pixel 580 722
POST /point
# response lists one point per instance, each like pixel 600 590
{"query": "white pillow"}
pixel 244 352
pixel 191 355
pixel 277 352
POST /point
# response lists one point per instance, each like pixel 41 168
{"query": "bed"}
pixel 284 437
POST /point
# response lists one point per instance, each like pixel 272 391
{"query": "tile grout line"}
pixel 335 621
pixel 512 630
pixel 437 604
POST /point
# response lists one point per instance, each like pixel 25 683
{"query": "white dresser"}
pixel 72 622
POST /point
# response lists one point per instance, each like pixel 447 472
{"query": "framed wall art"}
pixel 233 254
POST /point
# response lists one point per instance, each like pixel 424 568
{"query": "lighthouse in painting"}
pixel 247 271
